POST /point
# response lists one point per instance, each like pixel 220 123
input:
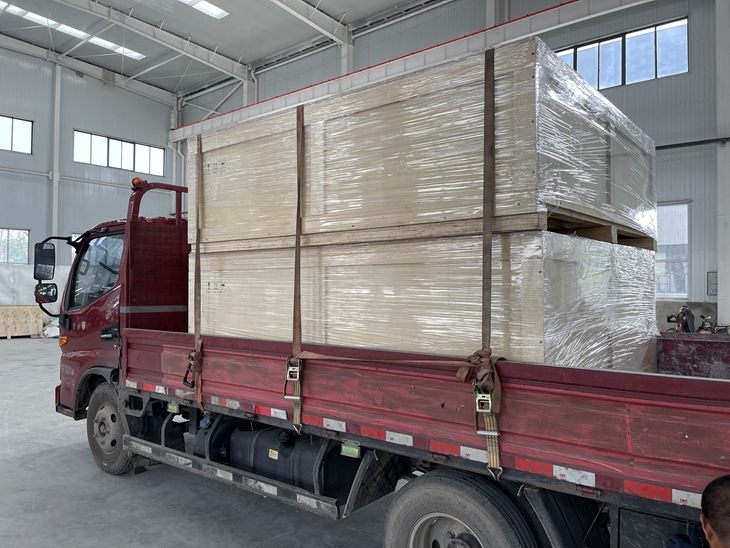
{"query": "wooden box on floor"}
pixel 20 321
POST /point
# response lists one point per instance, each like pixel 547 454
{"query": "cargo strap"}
pixel 293 363
pixel 195 357
pixel 487 389
pixel 487 404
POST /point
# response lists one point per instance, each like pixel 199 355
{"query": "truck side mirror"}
pixel 44 263
pixel 46 293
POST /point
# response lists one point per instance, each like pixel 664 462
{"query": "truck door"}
pixel 92 305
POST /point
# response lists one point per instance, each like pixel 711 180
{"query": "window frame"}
pixel 7 250
pixel 676 296
pixel 12 131
pixel 622 36
pixel 122 143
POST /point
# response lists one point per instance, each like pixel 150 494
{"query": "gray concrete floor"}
pixel 53 494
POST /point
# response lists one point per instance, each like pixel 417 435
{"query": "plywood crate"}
pixel 392 206
pixel 18 321
pixel 410 151
pixel 557 299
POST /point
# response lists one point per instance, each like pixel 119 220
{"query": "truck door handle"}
pixel 110 334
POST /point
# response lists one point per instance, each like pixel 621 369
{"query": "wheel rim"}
pixel 439 530
pixel 107 429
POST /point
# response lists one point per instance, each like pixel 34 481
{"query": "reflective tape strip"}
pixel 152 309
pixel 375 433
pixel 645 490
pixel 331 424
pixel 306 501
pixel 478 455
pixel 575 476
pixel 278 413
pixel 183 393
pixel 580 477
pixel 444 448
pixel 260 486
pixel 233 404
pixel 214 400
pixel 214 471
pixel 400 439
pixel 685 498
pixel 131 384
pixel 154 388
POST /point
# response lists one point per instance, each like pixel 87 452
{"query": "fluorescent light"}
pixel 206 7
pixel 30 16
pixel 129 53
pixel 72 32
pixel 16 11
pixel 104 43
pixel 3 5
pixel 209 9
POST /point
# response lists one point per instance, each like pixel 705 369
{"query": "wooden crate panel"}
pixel 554 298
pixel 18 321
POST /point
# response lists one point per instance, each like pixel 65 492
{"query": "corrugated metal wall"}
pixel 191 114
pixel 427 29
pixel 309 70
pixel 87 194
pixel 675 109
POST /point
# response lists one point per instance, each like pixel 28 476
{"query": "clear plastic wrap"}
pixel 392 201
pixel 557 299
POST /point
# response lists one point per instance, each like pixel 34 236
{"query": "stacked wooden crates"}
pixel 392 195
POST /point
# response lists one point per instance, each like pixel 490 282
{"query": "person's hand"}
pixel 681 541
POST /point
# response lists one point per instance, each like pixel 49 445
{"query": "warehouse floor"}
pixel 53 494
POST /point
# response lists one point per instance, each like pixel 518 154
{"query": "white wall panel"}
pixel 191 114
pixel 690 175
pixel 26 91
pixel 308 70
pixel 444 23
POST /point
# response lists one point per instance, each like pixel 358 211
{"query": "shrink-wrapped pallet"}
pixel 557 299
pixel 392 193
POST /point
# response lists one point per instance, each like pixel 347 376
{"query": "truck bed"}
pixel 659 437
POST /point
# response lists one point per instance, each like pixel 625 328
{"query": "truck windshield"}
pixel 97 270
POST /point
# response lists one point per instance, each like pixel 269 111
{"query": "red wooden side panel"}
pixel 657 436
pixel 158 274
pixel 694 354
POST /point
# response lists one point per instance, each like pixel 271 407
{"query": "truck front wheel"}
pixel 105 431
pixel 452 509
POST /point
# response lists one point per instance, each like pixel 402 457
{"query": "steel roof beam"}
pixel 139 88
pixel 318 20
pixel 178 44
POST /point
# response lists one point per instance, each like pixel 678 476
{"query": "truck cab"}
pixel 103 293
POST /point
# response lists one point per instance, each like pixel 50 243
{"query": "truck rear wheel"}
pixel 105 431
pixel 451 509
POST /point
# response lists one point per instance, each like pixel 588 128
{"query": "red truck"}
pixel 588 457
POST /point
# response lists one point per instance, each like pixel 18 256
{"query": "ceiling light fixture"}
pixel 30 16
pixel 129 53
pixel 72 32
pixel 50 23
pixel 207 8
pixel 16 11
pixel 103 43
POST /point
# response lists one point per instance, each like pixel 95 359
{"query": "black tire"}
pixel 452 509
pixel 105 431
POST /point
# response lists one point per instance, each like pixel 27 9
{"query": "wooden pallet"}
pixel 20 321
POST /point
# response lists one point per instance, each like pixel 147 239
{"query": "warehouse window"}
pixel 14 246
pixel 16 135
pixel 637 56
pixel 104 151
pixel 672 257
